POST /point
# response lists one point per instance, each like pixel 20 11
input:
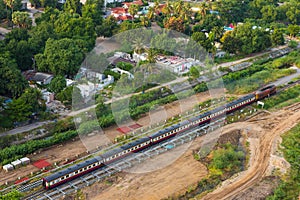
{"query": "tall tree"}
pixel 22 19
pixel 293 30
pixel 73 6
pixel 93 9
pixel 61 57
pixel 12 83
pixel 277 37
pixel 57 84
pixel 133 10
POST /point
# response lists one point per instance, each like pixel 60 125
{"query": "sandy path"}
pixel 260 161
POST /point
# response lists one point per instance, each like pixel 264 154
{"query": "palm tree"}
pixel 133 10
pixel 151 55
pixel 9 3
pixel 145 21
pixel 138 45
pixel 167 10
pixel 156 6
pixel 150 14
pixel 178 7
pixel 203 9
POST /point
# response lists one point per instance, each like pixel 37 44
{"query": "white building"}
pixel 16 163
pixel 177 64
pixel 139 57
pixel 8 167
pixel 25 161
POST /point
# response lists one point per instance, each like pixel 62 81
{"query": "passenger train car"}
pixel 89 165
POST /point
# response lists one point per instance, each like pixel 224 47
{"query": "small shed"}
pixel 8 167
pixel 25 161
pixel 16 163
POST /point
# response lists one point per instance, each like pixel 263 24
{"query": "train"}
pixel 97 162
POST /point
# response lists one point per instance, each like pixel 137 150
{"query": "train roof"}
pixel 249 96
pixel 73 168
pixel 168 129
pixel 112 152
pixel 135 143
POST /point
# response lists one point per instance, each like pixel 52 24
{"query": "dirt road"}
pixel 260 163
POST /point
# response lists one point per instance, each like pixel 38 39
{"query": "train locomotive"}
pixel 97 162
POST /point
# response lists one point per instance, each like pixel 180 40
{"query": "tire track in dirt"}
pixel 257 170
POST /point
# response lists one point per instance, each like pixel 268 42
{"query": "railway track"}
pixel 125 163
pixel 38 183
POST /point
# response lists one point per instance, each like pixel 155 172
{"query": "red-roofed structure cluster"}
pixel 41 164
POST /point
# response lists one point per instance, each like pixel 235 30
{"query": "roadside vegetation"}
pixel 285 98
pixel 289 187
pixel 224 161
pixel 13 195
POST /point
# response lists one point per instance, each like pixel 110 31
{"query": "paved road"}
pixel 178 80
pixel 73 113
pixel 4 31
pixel 287 79
pixel 22 129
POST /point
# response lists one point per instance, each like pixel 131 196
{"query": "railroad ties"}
pixel 127 162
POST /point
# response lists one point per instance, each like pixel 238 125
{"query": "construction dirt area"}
pixel 175 177
pixel 262 132
pixel 78 147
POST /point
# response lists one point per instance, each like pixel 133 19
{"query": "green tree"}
pixel 65 96
pixel 61 57
pixel 12 83
pixel 33 97
pixel 269 13
pixel 133 10
pixel 108 27
pixel 151 55
pixel 57 84
pixel 201 38
pixel 93 9
pixel 73 26
pixel 28 103
pixel 277 37
pixel 230 44
pixel 194 72
pixel 13 195
pixel 293 30
pixel 21 19
pixel 73 6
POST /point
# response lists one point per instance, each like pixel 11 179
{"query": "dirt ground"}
pixel 160 182
pixel 262 132
pixel 272 125
pixel 169 181
pixel 76 147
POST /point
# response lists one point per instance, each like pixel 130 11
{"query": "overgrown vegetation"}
pixel 222 163
pixel 285 98
pixel 290 185
pixel 14 152
pixel 13 195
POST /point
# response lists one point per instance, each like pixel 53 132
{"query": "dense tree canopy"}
pixel 12 83
pixel 61 57
pixel 57 84
pixel 250 39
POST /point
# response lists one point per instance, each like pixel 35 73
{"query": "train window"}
pixel 67 176
pixel 76 172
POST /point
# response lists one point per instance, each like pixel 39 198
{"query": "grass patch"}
pixel 285 98
pixel 289 187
